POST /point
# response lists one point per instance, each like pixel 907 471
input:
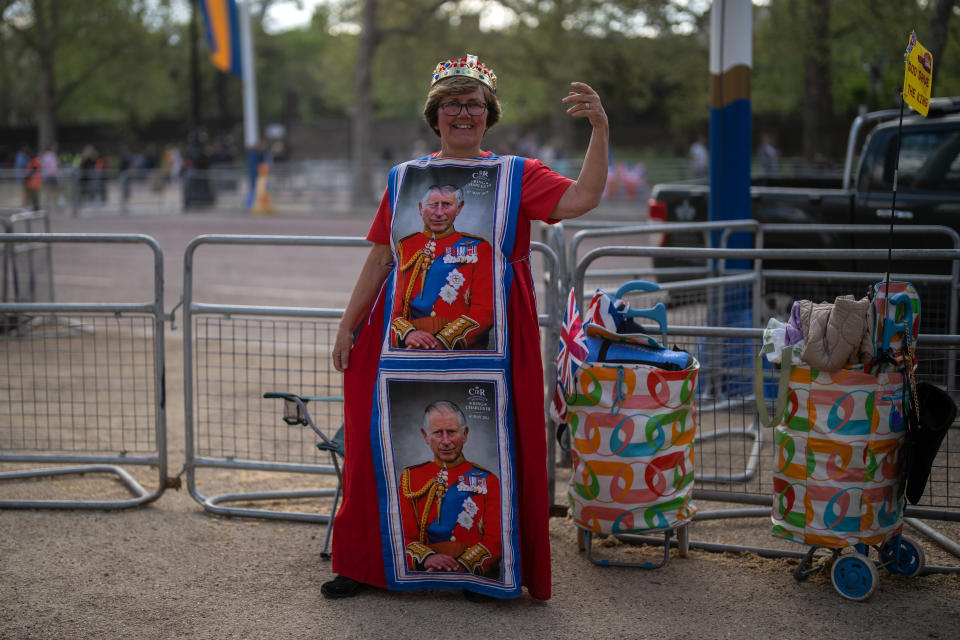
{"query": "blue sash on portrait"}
pixel 421 306
pixel 441 528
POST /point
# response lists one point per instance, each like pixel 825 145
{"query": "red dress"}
pixel 359 534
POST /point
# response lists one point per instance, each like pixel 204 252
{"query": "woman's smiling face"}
pixel 460 135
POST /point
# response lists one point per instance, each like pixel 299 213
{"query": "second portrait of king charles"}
pixel 450 507
pixel 444 295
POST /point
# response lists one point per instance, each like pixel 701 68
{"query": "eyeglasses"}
pixel 454 108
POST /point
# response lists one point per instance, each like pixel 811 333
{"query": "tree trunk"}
pixel 818 97
pixel 362 121
pixel 43 15
pixel 936 39
pixel 46 107
pixel 222 89
pixel 194 73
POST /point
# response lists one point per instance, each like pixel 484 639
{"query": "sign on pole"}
pixel 918 76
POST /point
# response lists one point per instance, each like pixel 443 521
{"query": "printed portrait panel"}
pixel 443 232
pixel 449 479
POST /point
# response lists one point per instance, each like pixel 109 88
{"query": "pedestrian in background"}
pixel 50 167
pixel 699 158
pixel 32 184
pixel 768 156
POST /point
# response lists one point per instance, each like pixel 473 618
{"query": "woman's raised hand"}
pixel 585 103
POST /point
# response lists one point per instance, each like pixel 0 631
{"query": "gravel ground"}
pixel 171 570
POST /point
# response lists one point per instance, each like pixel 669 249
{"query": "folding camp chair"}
pixel 295 412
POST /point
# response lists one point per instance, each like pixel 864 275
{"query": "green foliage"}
pixel 865 44
pixel 304 73
pixel 118 62
pixel 129 60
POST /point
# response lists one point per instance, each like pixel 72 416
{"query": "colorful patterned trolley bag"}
pixel 838 457
pixel 839 442
pixel 630 407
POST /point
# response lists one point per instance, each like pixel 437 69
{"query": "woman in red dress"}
pixel 496 199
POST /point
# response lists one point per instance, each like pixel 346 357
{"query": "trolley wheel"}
pixel 854 576
pixel 683 541
pixel 910 561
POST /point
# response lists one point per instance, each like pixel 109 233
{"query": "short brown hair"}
pixel 455 86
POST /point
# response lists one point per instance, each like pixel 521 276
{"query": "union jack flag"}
pixel 571 352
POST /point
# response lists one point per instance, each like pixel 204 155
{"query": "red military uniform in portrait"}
pixel 444 287
pixel 452 509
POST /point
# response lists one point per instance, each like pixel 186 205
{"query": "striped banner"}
pixel 222 29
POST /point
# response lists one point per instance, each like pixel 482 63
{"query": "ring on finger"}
pixel 586 105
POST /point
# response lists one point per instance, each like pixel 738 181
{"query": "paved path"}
pixel 170 570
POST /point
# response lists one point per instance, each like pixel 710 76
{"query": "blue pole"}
pixel 731 61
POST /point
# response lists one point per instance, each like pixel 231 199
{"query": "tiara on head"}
pixel 469 66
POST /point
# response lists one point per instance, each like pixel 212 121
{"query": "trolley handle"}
pixel 657 313
pixel 890 327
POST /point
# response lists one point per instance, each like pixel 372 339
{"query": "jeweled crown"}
pixel 469 66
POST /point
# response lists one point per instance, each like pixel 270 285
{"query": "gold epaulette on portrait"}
pixel 457 331
pixel 419 552
pixel 402 327
pixel 477 467
pixel 474 557
pixel 410 492
pixel 400 247
pixel 405 238
pixel 472 237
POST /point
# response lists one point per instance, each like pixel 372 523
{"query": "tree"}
pixel 851 54
pixel 405 19
pixel 937 39
pixel 302 72
pixel 362 120
pixel 71 43
pixel 817 90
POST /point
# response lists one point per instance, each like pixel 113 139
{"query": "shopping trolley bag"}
pixel 838 457
pixel 840 438
pixel 839 434
pixel 630 407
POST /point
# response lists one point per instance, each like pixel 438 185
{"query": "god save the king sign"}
pixel 918 76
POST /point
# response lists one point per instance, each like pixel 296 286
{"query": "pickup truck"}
pixel 928 191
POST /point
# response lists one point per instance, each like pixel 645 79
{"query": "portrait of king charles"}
pixel 444 288
pixel 450 507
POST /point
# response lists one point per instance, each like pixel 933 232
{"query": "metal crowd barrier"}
pixel 777 288
pixel 235 353
pixel 640 232
pixel 734 463
pixel 82 386
pixel 21 278
pixel 223 187
pixel 232 355
pixel 735 469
